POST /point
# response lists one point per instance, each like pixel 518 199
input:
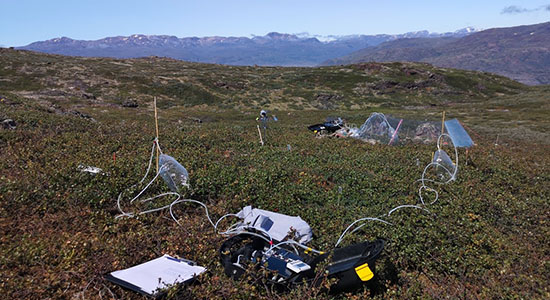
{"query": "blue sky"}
pixel 26 21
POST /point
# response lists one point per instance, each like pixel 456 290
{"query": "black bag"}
pixel 354 265
pixel 328 127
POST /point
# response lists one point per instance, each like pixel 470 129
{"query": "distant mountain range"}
pixel 521 53
pixel 273 49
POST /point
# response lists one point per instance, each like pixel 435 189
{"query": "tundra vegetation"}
pixel 487 236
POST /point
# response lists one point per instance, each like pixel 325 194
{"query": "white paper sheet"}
pixel 158 273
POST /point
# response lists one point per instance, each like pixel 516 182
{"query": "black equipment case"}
pixel 352 266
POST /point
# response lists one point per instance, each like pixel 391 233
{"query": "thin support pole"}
pixel 260 132
pixel 157 131
pixel 443 123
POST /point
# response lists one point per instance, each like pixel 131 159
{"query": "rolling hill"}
pixel 64 79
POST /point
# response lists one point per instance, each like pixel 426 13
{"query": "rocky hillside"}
pixel 56 79
pixel 273 49
pixel 521 53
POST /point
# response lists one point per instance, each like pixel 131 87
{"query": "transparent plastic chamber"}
pixel 444 166
pixel 445 169
pixel 379 128
pixel 375 129
pixel 173 173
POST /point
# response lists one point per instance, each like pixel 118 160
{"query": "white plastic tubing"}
pixel 170 206
pixel 238 228
pixel 422 205
pixel 232 230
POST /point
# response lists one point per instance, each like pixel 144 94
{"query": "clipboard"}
pixel 151 277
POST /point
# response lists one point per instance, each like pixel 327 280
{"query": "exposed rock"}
pixel 88 96
pixel 410 71
pixel 230 85
pixel 328 97
pixel 81 115
pixel 196 120
pixel 422 83
pixel 130 103
pixel 435 77
pixel 417 84
pixel 79 84
pixel 426 133
pixel 326 101
pixel 370 67
pixel 480 87
pixel 53 93
pixel 52 108
pixel 384 84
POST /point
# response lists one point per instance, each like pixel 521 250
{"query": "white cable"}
pixel 122 213
pixel 158 196
pixel 230 229
pixel 236 228
pixel 125 214
pixel 292 242
pixel 406 206
pixel 355 222
pixel 191 201
pixel 239 228
pixel 154 210
pixel 277 246
pixel 147 186
pixel 243 230
pixel 238 260
pixel 158 145
pixel 423 180
pixel 223 217
pixel 149 165
pixel 451 174
pixel 427 189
